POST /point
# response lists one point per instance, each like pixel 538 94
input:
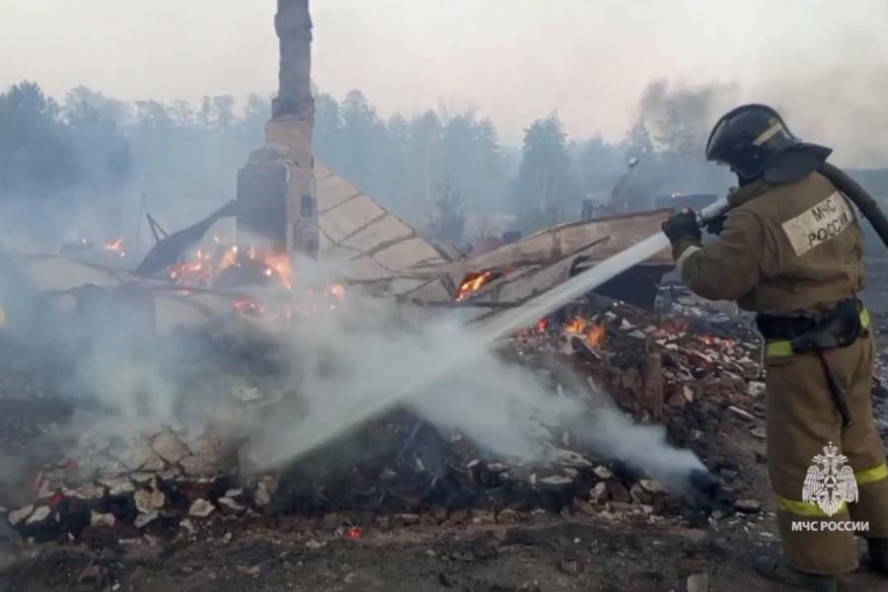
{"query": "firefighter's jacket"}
pixel 785 250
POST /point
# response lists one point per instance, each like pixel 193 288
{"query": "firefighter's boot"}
pixel 878 555
pixel 778 571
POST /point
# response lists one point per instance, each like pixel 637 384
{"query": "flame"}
pixel 279 264
pixel 593 334
pixel 474 282
pixel 229 258
pixel 576 325
pixel 204 267
pixel 115 247
pixel 596 335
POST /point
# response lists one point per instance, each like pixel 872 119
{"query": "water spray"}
pixel 387 388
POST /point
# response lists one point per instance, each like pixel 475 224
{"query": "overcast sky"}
pixel 515 60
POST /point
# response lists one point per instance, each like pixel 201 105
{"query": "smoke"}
pixel 668 138
pixel 838 106
pixel 836 101
pixel 353 366
pixel 680 117
pixel 342 368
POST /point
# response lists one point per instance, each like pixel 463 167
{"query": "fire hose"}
pixel 850 188
pixel 859 197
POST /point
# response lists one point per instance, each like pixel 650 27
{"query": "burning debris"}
pixel 593 334
pixel 116 247
pixel 474 282
pixel 229 266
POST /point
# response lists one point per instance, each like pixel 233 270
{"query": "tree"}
pixel 599 166
pixel 328 130
pixel 36 156
pixel 450 220
pixel 362 133
pixel 223 110
pixel 102 152
pixel 546 187
pixel 155 115
pixel 638 142
pixel 424 149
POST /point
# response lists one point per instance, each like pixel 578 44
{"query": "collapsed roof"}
pixel 366 245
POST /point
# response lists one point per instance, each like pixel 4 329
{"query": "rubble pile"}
pixel 697 374
pixel 396 471
pixel 135 485
pixel 663 365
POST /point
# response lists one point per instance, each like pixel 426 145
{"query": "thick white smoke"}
pixel 352 367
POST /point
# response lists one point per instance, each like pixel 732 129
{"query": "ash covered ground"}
pixel 402 503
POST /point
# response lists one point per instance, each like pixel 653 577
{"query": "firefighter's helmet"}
pixel 748 138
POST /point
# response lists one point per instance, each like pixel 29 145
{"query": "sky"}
pixel 826 61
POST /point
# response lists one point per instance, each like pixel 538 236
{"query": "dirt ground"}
pixel 546 553
pixel 551 556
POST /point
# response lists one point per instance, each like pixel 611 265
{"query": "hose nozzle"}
pixel 713 211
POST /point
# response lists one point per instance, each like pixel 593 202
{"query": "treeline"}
pixel 93 154
pixel 46 147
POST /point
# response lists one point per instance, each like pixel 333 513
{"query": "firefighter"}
pixel 791 251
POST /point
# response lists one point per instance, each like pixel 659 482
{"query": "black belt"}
pixel 836 328
pixel 775 327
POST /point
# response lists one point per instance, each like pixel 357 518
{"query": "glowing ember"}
pixel 116 248
pixel 712 340
pixel 337 290
pixel 474 282
pixel 57 498
pixel 672 329
pixel 247 306
pixel 334 294
pixel 197 271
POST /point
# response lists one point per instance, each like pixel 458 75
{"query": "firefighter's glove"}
pixel 717 225
pixel 682 226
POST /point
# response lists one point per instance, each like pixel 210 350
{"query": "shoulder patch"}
pixel 818 224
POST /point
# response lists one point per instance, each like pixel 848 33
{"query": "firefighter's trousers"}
pixel 802 419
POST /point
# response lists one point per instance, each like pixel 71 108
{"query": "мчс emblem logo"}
pixel 830 482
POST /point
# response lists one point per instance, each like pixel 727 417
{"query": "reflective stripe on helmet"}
pixel 768 133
